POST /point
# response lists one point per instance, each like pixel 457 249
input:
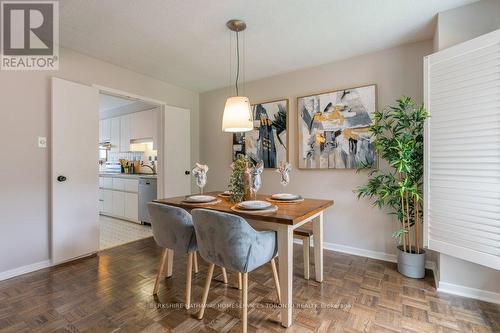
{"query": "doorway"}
pixel 76 146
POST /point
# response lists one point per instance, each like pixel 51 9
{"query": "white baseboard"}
pixel 483 295
pixel 24 269
pixel 364 252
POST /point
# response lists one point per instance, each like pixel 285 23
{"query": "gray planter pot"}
pixel 411 264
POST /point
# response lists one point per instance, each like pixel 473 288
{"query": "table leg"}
pixel 285 256
pixel 318 246
pixel 170 263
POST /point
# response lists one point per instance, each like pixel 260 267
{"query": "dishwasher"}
pixel 147 193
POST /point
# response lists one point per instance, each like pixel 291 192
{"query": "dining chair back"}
pixel 228 240
pixel 172 227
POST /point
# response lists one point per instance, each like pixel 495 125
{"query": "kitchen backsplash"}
pixel 129 156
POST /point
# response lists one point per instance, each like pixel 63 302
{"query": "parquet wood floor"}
pixel 111 292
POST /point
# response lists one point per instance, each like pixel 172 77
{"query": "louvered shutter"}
pixel 462 151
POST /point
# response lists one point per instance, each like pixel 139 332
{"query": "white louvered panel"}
pixel 467 58
pixel 462 151
pixel 465 240
pixel 464 222
pixel 464 112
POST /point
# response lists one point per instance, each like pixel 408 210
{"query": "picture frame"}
pixel 269 140
pixel 333 128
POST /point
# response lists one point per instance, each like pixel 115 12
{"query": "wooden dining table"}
pixel 284 220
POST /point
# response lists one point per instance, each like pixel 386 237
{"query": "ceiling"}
pixel 114 106
pixel 185 42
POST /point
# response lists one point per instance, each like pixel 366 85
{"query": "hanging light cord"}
pixel 237 62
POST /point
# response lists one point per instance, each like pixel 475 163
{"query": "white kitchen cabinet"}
pixel 106 182
pixel 107 201
pixel 118 184
pixel 156 127
pixel 132 206
pixel 125 133
pixel 141 125
pixel 115 134
pixel 131 185
pixel 118 203
pixel 105 130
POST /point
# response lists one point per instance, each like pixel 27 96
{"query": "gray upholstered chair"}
pixel 173 231
pixel 228 241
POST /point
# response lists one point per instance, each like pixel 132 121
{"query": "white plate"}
pixel 199 198
pixel 254 204
pixel 285 196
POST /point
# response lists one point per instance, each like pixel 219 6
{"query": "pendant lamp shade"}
pixel 237 115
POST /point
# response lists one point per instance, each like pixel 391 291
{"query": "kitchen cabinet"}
pixel 105 182
pixel 131 206
pixel 142 125
pixel 118 184
pixel 125 134
pixel 115 134
pixel 118 203
pixel 118 197
pixel 107 201
pixel 131 185
pixel 156 127
pixel 105 130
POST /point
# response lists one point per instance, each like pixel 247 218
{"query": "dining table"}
pixel 288 217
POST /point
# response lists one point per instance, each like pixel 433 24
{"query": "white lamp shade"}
pixel 237 115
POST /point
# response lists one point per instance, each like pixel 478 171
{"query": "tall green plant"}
pixel 398 133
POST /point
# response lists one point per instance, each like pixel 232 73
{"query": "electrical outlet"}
pixel 42 142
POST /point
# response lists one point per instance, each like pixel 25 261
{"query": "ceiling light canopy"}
pixel 237 115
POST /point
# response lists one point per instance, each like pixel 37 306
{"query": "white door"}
pixel 177 152
pixel 75 189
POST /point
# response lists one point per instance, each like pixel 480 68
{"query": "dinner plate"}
pixel 200 198
pixel 225 194
pixel 285 196
pixel 254 205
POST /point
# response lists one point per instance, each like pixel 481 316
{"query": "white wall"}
pixel 25 115
pixel 350 222
pixel 463 23
pixel 456 26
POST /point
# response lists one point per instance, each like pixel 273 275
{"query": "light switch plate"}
pixel 42 142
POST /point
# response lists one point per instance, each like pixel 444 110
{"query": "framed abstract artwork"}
pixel 268 141
pixel 333 128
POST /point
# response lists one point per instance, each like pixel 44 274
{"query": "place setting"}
pixel 254 207
pixel 285 198
pixel 200 174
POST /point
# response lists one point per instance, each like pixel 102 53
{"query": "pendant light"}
pixel 237 115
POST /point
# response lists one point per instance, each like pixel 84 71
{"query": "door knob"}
pixel 61 179
pixel 187 172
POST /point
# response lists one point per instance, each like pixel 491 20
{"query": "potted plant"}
pixel 398 137
pixel 239 181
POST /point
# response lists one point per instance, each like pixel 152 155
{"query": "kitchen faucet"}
pixel 153 168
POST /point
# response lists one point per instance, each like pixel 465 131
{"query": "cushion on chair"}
pixel 228 241
pixel 172 227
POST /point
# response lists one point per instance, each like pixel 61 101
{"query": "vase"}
pixel 411 264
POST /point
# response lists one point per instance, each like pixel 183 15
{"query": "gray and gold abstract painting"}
pixel 334 129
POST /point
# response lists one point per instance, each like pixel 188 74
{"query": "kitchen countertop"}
pixel 128 175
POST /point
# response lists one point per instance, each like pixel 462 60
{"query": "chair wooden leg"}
pixel 244 304
pixel 239 281
pixel 205 290
pixel 276 279
pixel 224 275
pixel 195 262
pixel 170 263
pixel 189 269
pixel 161 268
pixel 305 251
